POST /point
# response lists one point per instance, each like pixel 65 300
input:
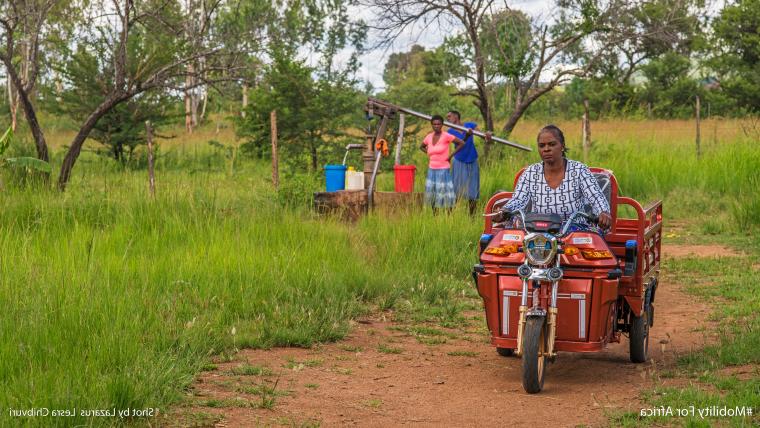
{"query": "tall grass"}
pixel 111 299
pixel 724 179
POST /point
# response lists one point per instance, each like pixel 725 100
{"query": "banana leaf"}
pixel 30 163
pixel 5 140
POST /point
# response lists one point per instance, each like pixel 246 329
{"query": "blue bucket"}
pixel 335 177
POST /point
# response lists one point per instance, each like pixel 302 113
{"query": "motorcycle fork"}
pixel 551 332
pixel 552 319
pixel 537 300
pixel 552 322
pixel 523 311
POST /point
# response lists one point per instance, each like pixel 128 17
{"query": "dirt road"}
pixel 386 374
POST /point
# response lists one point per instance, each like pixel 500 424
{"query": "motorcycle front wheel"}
pixel 533 359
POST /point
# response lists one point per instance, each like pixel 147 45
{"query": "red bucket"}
pixel 404 175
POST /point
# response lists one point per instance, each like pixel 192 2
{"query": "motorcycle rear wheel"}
pixel 533 359
pixel 639 337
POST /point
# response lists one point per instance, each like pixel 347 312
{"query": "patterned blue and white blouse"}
pixel 578 189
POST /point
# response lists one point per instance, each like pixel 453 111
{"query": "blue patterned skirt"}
pixel 439 189
pixel 466 178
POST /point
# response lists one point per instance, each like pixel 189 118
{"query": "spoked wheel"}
pixel 639 337
pixel 533 359
pixel 505 352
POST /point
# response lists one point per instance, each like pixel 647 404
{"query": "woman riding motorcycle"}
pixel 558 185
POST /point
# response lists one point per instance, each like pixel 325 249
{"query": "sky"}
pixel 373 62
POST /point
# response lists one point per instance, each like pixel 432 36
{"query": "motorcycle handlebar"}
pixel 507 215
pixel 590 217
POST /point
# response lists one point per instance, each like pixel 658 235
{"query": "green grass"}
pixel 731 285
pixel 350 348
pixel 722 183
pixel 111 299
pixel 386 349
pixel 227 403
pixel 115 300
pixel 462 354
pixel 292 364
pixel 374 403
pixel 251 370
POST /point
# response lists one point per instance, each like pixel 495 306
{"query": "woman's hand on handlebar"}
pixel 605 220
pixel 499 216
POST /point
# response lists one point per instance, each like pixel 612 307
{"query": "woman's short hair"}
pixel 437 117
pixel 554 130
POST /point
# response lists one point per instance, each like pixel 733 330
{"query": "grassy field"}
pixel 726 373
pixel 114 300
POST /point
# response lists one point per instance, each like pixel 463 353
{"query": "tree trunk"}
pixel 31 115
pixel 195 101
pixel 205 103
pixel 245 100
pixel 12 103
pixel 514 118
pixel 522 106
pixel 188 105
pixel 485 112
pixel 76 145
pixel 508 93
pixel 313 150
pixel 194 108
pixel 483 102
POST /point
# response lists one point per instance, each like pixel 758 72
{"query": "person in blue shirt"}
pixel 465 170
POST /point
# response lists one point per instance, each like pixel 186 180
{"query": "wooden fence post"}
pixel 151 172
pixel 586 131
pixel 698 133
pixel 275 165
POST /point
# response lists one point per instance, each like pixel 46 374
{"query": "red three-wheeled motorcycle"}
pixel 548 287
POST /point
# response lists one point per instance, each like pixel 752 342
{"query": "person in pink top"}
pixel 439 187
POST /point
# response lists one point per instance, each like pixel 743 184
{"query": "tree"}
pixel 314 101
pixel 22 30
pixel 507 36
pixel 665 28
pixel 396 16
pixel 419 79
pixel 143 46
pixel 122 129
pixel 495 43
pixel 736 53
pixel 582 33
pixel 669 89
pixel 405 65
pixel 311 113
pixel 488 29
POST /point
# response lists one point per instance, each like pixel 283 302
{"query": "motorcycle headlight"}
pixel 540 248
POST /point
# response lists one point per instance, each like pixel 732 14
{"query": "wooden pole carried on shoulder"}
pixel 387 105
